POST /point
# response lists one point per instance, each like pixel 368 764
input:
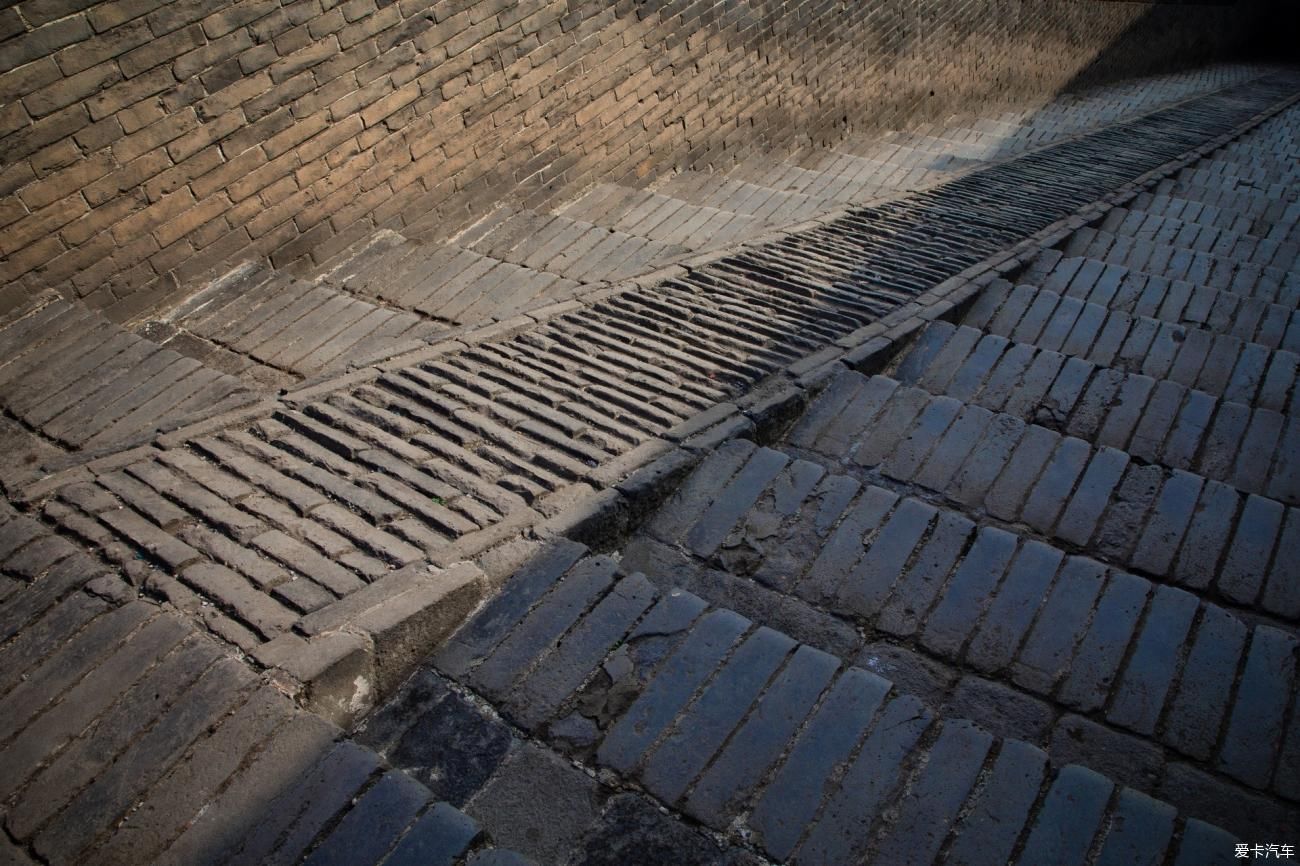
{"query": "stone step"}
pixel 662 218
pixel 130 736
pixel 582 251
pixel 1161 422
pixel 1177 526
pixel 1266 214
pixel 78 379
pixel 1217 269
pixel 1233 174
pixel 1270 320
pixel 456 743
pixel 1172 231
pixel 1279 224
pixel 298 327
pixel 446 282
pixel 1037 643
pixel 741 727
pixel 727 193
pixel 1221 365
pixel 1244 199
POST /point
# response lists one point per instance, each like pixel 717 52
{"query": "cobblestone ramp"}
pixel 129 736
pixel 1022 596
pixel 437 457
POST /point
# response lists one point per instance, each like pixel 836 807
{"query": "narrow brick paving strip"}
pixel 130 736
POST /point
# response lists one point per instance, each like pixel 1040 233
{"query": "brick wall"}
pixel 145 143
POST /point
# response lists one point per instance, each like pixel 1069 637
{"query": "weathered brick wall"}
pixel 144 143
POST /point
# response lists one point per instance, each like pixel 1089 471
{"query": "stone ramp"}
pixel 328 508
pixel 1021 596
pixel 325 535
pixel 803 756
pixel 129 736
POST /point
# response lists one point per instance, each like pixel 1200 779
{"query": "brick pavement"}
pixel 1045 629
pixel 1021 595
pixel 132 736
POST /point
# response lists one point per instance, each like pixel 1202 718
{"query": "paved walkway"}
pixel 114 383
pixel 1021 596
pixel 1015 591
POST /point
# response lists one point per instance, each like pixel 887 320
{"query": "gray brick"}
pixel 763 736
pixel 843 828
pixel 889 429
pixel 1053 489
pixel 303 809
pixel 930 808
pixel 547 621
pixel 952 450
pixel 792 799
pixel 1081 515
pixel 700 488
pixel 1168 523
pixel 686 669
pixel 843 549
pixel 1141 693
pixel 1005 376
pixel 1205 845
pixel 966 382
pixel 734 500
pixel 1007 496
pixel 865 589
pixel 1013 608
pixel 956 614
pixel 1282 592
pixel 705 725
pixel 1256 726
pixel 118 787
pixel 1157 420
pixel 88 699
pixel 1242 574
pixel 1139 833
pixel 1035 384
pixel 1207 536
pixel 374 822
pixel 922 353
pixel 1198 707
pixel 438 838
pixel 921 582
pixel 1189 429
pixel 1069 817
pixel 71 657
pixel 1046 655
pixel 857 414
pixel 988 833
pixel 562 671
pixel 932 423
pixel 493 623
pixel 985 462
pixel 140 705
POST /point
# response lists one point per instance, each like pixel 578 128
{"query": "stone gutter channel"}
pixel 338 533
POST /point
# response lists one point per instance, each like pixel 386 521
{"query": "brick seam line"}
pixel 322 671
pixel 367 368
